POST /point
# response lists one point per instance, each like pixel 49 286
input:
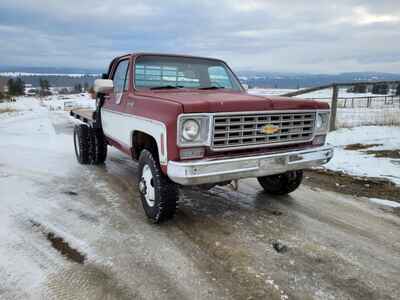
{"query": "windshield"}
pixel 170 72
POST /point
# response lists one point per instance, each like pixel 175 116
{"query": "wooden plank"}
pixel 341 84
pixel 308 90
pixel 83 113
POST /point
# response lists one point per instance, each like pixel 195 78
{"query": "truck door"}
pixel 111 112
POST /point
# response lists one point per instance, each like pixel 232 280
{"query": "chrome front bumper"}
pixel 213 171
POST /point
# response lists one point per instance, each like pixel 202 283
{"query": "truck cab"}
pixel 189 121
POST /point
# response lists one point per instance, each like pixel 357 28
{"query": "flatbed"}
pixel 84 114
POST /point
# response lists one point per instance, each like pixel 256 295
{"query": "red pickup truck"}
pixel 189 121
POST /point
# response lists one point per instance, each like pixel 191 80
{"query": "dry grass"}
pixel 369 187
pixel 360 146
pixel 395 154
pixel 7 110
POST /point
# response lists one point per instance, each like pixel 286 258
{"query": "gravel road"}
pixel 79 232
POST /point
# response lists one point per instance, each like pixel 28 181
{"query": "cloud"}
pixel 362 16
pixel 282 35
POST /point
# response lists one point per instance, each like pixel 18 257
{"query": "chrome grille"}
pixel 232 131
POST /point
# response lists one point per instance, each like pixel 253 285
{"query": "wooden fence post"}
pixel 334 104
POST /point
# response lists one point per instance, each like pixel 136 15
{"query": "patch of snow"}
pixel 68 102
pixel 358 162
pixel 387 135
pixel 385 202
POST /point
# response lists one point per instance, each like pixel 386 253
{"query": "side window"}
pixel 120 79
pixel 219 77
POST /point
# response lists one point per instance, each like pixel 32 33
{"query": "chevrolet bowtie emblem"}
pixel 269 129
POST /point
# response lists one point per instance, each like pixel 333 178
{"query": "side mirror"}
pixel 245 86
pixel 103 86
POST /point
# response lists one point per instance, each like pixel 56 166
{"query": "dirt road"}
pixel 78 232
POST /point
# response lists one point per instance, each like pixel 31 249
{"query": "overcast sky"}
pixel 283 35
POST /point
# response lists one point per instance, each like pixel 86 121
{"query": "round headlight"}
pixel 190 130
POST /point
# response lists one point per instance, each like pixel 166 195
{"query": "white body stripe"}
pixel 120 127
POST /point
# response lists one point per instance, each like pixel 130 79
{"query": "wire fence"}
pixel 389 101
pixel 366 111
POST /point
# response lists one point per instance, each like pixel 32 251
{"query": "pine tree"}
pixel 19 87
pixel 16 87
pixel 380 89
pixel 11 86
pixel 78 88
pixel 44 87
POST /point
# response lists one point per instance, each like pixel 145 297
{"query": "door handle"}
pixel 131 103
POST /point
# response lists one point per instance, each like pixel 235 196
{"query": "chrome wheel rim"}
pixel 146 186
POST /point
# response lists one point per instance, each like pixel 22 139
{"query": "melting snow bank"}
pixel 363 162
pixel 385 202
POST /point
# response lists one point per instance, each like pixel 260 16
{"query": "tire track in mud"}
pixel 87 282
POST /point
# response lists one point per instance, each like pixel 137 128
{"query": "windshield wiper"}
pixel 213 87
pixel 167 87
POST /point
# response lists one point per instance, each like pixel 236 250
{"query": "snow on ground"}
pixel 68 102
pixel 26 136
pixel 54 102
pixel 358 162
pixel 11 109
pixel 37 167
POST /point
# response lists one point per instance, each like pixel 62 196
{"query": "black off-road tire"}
pixel 281 184
pixel 166 192
pixel 99 147
pixel 82 144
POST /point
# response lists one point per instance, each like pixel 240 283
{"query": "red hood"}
pixel 225 101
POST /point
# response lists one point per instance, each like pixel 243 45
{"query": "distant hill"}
pixel 50 70
pixel 73 76
pixel 293 80
pixel 57 77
